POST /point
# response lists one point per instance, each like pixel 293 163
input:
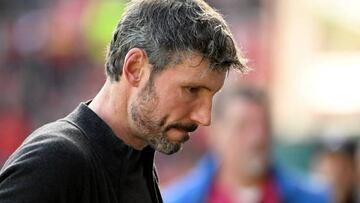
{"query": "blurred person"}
pixel 357 166
pixel 335 164
pixel 164 64
pixel 238 167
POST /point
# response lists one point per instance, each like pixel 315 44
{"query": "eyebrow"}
pixel 201 86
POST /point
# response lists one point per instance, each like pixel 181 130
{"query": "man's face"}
pixel 174 102
pixel 244 137
pixel 336 168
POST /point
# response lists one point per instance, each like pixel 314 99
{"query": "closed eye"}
pixel 193 90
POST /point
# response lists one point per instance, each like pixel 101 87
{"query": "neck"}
pixel 110 104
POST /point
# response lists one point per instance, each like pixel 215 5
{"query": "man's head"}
pixel 167 30
pixel 335 164
pixel 241 133
pixel 172 56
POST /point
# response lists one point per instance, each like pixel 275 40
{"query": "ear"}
pixel 135 63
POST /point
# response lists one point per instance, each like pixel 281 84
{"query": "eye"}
pixel 193 90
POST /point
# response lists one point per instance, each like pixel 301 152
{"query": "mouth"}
pixel 178 135
pixel 186 137
pixel 183 127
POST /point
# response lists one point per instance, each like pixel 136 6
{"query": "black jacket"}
pixel 78 159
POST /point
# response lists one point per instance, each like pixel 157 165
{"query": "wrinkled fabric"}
pixel 78 159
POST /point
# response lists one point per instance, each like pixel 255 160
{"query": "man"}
pixel 335 164
pixel 239 168
pixel 165 62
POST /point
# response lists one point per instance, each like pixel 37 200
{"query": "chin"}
pixel 168 148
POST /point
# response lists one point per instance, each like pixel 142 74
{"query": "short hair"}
pixel 169 29
pixel 346 145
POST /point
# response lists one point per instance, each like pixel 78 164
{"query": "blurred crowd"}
pixel 239 166
pixel 51 58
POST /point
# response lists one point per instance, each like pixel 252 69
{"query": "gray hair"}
pixel 168 29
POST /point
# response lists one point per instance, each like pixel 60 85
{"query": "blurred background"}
pixel 305 54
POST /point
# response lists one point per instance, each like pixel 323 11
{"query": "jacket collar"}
pixel 112 151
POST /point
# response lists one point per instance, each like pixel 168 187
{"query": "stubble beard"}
pixel 148 127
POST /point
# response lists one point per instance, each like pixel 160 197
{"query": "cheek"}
pixel 174 105
pixel 176 111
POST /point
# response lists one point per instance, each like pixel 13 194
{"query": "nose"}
pixel 201 114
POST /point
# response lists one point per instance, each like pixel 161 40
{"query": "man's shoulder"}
pixel 51 159
pixel 56 144
pixel 58 131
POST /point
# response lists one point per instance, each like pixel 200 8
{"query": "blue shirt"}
pixel 195 186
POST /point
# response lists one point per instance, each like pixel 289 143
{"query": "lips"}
pixel 191 128
pixel 178 135
pixel 186 137
pixel 183 127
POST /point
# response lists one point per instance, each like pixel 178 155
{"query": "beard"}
pixel 147 126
